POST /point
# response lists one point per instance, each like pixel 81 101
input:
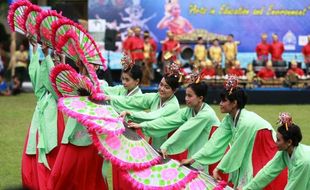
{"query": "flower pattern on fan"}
pixel 169 174
pixel 197 184
pixel 113 142
pixel 144 173
pixel 78 104
pixel 138 152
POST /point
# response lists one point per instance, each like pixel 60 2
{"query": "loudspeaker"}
pixel 110 39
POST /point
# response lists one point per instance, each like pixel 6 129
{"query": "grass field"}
pixel 16 113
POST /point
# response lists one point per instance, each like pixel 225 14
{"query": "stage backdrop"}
pixel 245 19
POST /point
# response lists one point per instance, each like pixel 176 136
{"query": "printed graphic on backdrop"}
pixel 212 18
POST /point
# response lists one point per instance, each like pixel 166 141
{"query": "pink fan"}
pixel 30 17
pixel 16 15
pixel 70 41
pixel 206 182
pixel 44 25
pixel 165 176
pixel 67 82
pixel 85 42
pixel 127 151
pixel 77 100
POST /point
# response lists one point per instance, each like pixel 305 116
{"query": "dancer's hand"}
pixel 124 114
pixel 188 161
pixel 134 125
pixel 216 174
pixel 44 49
pixel 164 153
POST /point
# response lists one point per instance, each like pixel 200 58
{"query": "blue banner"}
pixel 245 19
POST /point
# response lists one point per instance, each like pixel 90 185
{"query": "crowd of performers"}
pixel 242 149
pixel 208 60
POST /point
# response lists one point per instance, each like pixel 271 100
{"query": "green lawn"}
pixel 16 113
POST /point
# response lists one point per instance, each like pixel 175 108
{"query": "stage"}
pixel 278 96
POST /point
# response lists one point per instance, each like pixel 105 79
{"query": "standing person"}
pixel 276 49
pixel 216 53
pixel 230 51
pixel 306 54
pixel 200 53
pixel 262 49
pixel 291 153
pixel 250 137
pixel 131 78
pixel 193 124
pixel 149 59
pixel 136 47
pixel 160 104
pixel 47 126
pixel 171 46
pixel 127 42
pixel 20 67
pixel 78 165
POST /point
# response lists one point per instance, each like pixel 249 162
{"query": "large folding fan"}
pixel 166 176
pixel 79 100
pixel 127 151
pixel 85 42
pixel 16 15
pixel 70 41
pixel 30 20
pixel 44 25
pixel 206 182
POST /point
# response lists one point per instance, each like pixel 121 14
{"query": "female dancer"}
pixel 291 154
pixel 250 136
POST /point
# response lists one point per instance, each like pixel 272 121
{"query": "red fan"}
pixel 85 42
pixel 44 25
pixel 67 82
pixel 30 17
pixel 69 41
pixel 16 15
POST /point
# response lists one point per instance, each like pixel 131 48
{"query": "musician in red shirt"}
pixel 295 70
pixel 171 46
pixel 306 54
pixel 126 42
pixel 235 70
pixel 267 72
pixel 136 47
pixel 262 49
pixel 276 49
pixel 208 71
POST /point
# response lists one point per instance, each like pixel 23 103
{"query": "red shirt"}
pixel 306 53
pixel 235 71
pixel 171 45
pixel 266 73
pixel 208 72
pixel 126 43
pixel 136 47
pixel 297 71
pixel 262 50
pixel 276 51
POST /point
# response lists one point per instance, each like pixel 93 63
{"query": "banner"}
pixel 245 19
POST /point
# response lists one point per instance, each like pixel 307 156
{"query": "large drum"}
pixel 187 52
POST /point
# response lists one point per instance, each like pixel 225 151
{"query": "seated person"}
pixel 295 70
pixel 235 70
pixel 267 72
pixel 4 90
pixel 208 71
